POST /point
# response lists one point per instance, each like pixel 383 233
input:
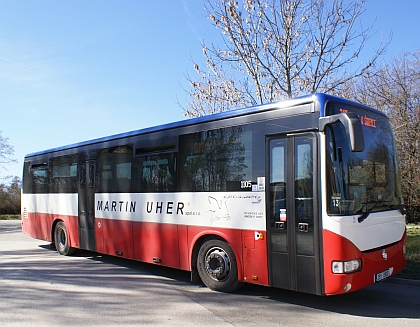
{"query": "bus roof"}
pixel 319 97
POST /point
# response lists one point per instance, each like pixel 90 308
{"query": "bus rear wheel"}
pixel 61 239
pixel 217 266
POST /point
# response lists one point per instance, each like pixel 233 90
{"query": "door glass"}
pixel 90 194
pixel 278 210
pixel 82 175
pixel 303 177
pixel 91 180
pixel 82 195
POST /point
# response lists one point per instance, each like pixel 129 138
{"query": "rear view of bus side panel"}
pixel 49 195
pixel 40 213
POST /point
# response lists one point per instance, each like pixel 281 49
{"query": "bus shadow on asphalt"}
pixel 368 302
pixel 141 267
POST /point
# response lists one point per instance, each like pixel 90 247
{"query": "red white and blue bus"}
pixel 302 194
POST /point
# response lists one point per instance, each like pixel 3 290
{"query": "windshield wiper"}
pixel 367 212
pixel 376 204
pixel 399 207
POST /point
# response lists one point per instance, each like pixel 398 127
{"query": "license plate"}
pixel 382 275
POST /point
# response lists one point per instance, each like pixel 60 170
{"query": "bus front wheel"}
pixel 217 266
pixel 61 239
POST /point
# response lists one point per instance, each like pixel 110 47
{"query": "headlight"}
pixel 346 267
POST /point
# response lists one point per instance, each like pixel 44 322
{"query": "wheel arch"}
pixel 73 235
pixel 72 229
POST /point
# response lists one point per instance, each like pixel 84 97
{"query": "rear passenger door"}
pixel 86 204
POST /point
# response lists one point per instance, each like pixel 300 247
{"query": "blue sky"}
pixel 75 70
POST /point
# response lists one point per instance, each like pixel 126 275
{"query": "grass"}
pixel 412 269
pixel 10 217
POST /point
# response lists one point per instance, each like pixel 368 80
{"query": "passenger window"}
pixel 155 173
pixel 216 160
pixel 64 175
pixel 115 169
pixel 40 180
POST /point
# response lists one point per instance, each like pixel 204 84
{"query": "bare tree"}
pixel 9 192
pixel 395 89
pixel 276 49
pixel 6 152
pixel 10 196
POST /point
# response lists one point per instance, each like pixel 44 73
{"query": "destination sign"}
pixel 364 120
pixel 367 118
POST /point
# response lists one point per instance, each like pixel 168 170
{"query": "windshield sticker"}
pixel 283 216
pixel 336 201
pixel 261 183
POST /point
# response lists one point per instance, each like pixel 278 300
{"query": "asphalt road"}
pixel 38 287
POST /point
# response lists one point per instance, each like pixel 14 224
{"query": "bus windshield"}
pixel 361 182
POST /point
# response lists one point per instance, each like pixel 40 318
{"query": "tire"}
pixel 61 239
pixel 217 266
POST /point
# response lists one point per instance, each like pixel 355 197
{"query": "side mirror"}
pixel 352 125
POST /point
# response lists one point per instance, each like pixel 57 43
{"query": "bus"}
pixel 303 194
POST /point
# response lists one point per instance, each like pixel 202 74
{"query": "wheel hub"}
pixel 217 264
pixel 61 238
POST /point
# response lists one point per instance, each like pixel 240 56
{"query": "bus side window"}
pixel 64 175
pixel 155 173
pixel 35 178
pixel 216 160
pixel 115 170
pixel 40 180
